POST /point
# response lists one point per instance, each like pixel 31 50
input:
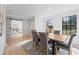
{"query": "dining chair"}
pixel 66 46
pixel 36 39
pixel 56 32
pixel 43 42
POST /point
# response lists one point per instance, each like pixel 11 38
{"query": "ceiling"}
pixel 28 10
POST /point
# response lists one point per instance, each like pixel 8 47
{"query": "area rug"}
pixel 28 46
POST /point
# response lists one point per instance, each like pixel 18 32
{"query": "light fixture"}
pixel 22 16
pixel 48 8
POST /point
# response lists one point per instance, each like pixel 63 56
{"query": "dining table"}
pixel 56 38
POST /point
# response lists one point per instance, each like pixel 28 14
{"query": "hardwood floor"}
pixel 14 48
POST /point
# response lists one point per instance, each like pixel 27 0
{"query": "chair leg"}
pixel 35 44
pixel 57 50
pixel 41 49
pixel 70 52
pixel 38 45
pixel 45 51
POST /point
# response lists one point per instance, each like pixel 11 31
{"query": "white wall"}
pixel 58 22
pixel 3 37
pixel 40 22
pixel 27 25
pixel 31 24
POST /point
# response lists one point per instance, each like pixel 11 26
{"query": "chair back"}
pixel 70 41
pixel 35 36
pixel 56 32
pixel 43 39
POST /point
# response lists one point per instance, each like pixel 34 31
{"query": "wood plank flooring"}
pixel 13 49
pixel 14 46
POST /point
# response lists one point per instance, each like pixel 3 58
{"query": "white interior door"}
pixel 16 28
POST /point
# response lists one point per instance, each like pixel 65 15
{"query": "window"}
pixel 69 24
pixel 49 25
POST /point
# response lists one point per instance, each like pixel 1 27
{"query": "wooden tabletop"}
pixel 57 37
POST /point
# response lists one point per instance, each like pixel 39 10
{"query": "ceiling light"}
pixel 48 8
pixel 22 17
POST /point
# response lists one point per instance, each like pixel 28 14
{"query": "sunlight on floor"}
pixel 23 42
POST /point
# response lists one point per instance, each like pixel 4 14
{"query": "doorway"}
pixel 16 28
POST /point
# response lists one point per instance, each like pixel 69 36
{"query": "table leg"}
pixel 53 48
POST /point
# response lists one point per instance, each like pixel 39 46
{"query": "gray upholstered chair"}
pixel 66 46
pixel 36 38
pixel 56 32
pixel 43 42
